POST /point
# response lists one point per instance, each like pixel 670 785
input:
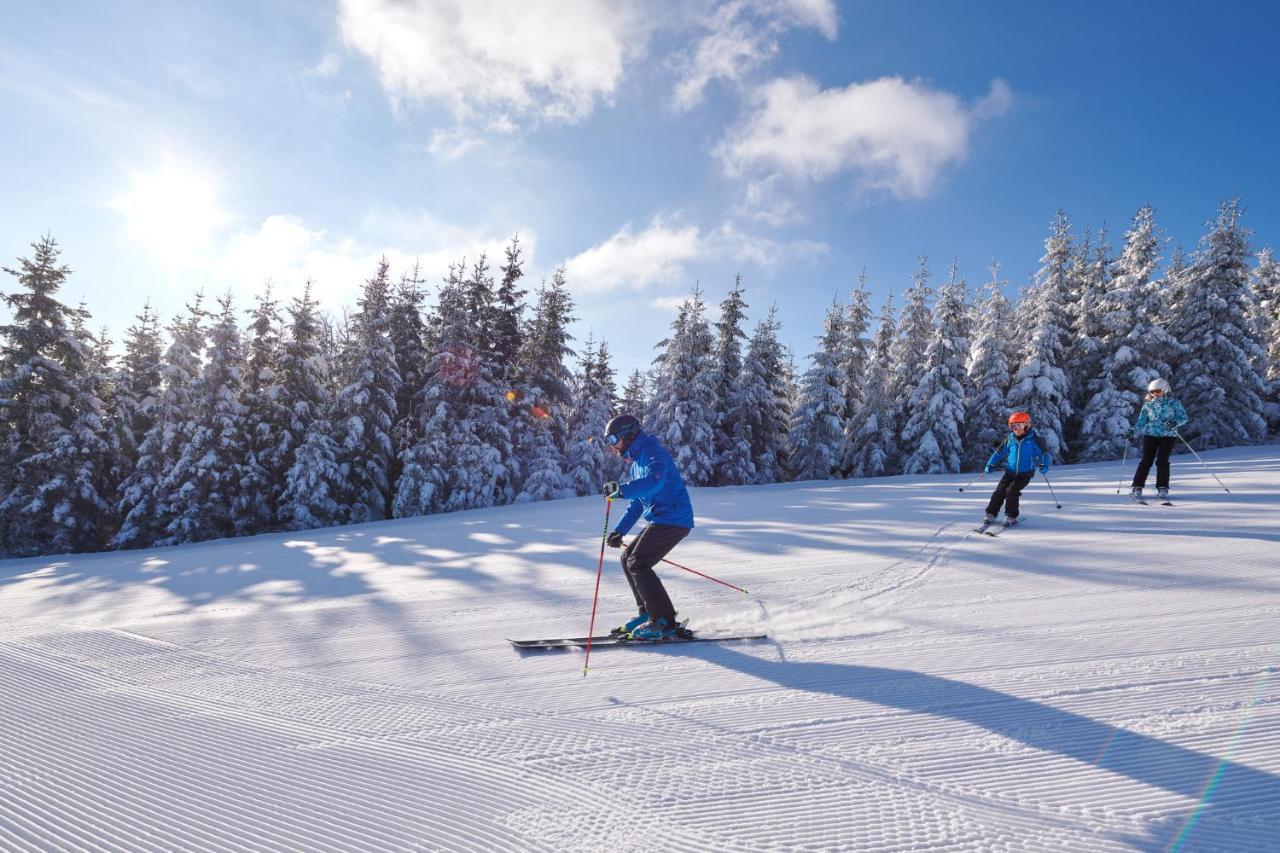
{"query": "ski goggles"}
pixel 612 439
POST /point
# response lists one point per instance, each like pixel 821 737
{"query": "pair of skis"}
pixel 992 529
pixel 615 640
pixel 1145 502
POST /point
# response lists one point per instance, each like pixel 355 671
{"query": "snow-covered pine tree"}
pixel 915 331
pixel 543 389
pixel 1265 282
pixel 1084 355
pixel 1217 380
pixel 366 408
pixel 1113 389
pixel 137 384
pixel 313 483
pixel 201 494
pixel 140 504
pixel 508 336
pixel 765 415
pixel 933 432
pixel 875 435
pixel 266 418
pixel 684 395
pixel 731 452
pixel 854 356
pixel 1040 386
pixel 52 439
pixel 818 425
pixel 635 396
pixel 407 331
pixel 988 381
pixel 588 459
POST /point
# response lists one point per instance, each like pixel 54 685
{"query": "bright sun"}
pixel 174 211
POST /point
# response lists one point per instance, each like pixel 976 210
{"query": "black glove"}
pixel 611 488
pixel 1171 424
pixel 614 540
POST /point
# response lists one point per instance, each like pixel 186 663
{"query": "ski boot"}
pixel 1163 492
pixel 1009 522
pixel 1136 494
pixel 626 628
pixel 656 629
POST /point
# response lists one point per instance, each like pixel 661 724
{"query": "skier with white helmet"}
pixel 1158 424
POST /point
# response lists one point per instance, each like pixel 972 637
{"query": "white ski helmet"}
pixel 1158 384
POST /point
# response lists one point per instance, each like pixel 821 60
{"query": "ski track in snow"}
pixel 1103 678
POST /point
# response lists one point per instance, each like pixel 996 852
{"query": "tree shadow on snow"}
pixel 1229 794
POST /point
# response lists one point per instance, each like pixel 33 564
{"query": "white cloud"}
pixel 743 35
pixel 662 254
pixel 891 134
pixel 546 60
pixel 287 251
pixel 657 255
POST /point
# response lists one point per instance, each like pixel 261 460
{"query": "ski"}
pixel 997 530
pixel 1166 503
pixel 983 527
pixel 580 642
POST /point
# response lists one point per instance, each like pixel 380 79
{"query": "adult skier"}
pixel 657 491
pixel 1020 454
pixel 1157 423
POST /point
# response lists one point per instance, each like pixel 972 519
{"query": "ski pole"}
pixel 604 538
pixel 1050 485
pixel 1201 461
pixel 1123 461
pixel 708 577
pixel 974 480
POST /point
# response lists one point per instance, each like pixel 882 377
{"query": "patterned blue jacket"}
pixel 1020 455
pixel 655 489
pixel 1156 415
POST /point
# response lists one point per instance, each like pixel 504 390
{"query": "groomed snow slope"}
pixel 1102 678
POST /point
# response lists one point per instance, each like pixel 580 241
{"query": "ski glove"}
pixel 1044 467
pixel 1171 424
pixel 611 490
pixel 986 469
pixel 614 540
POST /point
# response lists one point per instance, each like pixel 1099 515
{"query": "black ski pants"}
pixel 1007 492
pixel 638 560
pixel 1155 448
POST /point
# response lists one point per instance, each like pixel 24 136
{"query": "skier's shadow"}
pixel 1229 790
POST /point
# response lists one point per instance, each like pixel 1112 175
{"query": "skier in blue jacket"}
pixel 656 491
pixel 1021 454
pixel 1158 424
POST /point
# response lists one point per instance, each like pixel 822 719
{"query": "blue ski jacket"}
pixel 1156 416
pixel 1020 455
pixel 655 489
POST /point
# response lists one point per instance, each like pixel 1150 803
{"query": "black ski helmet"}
pixel 621 431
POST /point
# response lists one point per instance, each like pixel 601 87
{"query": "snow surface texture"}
pixel 1102 677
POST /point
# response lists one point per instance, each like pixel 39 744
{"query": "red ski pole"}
pixel 604 538
pixel 708 577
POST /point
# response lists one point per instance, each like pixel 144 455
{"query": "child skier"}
pixel 657 490
pixel 1021 454
pixel 1158 424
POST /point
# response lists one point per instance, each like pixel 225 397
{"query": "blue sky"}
pixel 648 146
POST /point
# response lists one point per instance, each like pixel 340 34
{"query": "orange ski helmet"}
pixel 1020 418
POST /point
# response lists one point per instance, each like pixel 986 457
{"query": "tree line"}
pixel 293 420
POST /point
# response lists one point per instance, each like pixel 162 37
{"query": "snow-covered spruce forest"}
pixel 215 427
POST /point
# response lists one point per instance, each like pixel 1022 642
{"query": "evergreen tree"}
pixel 684 414
pixel 52 438
pixel 544 388
pixel 1266 308
pixel 1217 380
pixel 818 426
pixel 635 397
pixel 201 495
pixel 766 412
pixel 313 483
pixel 915 331
pixel 1040 385
pixel 730 450
pixel 989 379
pixel 855 354
pixel 407 331
pixel 137 392
pixel 1084 353
pixel 270 450
pixel 508 336
pixel 366 409
pixel 933 432
pixel 589 461
pixel 140 501
pixel 1113 399
pixel 874 431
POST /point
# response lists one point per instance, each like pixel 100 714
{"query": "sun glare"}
pixel 173 211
